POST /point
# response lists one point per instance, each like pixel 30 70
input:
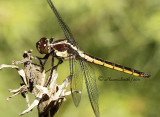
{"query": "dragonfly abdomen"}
pixel 113 66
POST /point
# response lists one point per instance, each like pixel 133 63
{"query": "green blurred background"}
pixel 121 31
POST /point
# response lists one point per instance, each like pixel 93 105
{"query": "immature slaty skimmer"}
pixel 68 49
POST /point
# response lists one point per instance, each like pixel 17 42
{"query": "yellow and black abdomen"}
pixel 113 66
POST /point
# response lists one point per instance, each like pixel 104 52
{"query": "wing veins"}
pixel 91 87
pixel 63 25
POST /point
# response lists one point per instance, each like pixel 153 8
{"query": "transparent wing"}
pixel 64 27
pixel 76 82
pixel 92 89
pixel 76 73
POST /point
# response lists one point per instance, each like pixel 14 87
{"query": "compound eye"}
pixel 38 44
pixel 43 40
pixel 42 45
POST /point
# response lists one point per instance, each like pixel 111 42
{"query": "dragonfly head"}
pixel 43 45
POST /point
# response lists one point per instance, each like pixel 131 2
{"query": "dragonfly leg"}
pixel 55 67
pixel 59 62
pixel 45 58
pixel 51 70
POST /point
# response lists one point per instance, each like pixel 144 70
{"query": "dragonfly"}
pixel 68 49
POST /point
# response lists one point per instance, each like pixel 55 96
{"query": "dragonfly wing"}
pixel 92 89
pixel 77 76
pixel 77 81
pixel 63 25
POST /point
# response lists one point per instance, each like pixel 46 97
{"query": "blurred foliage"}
pixel 121 31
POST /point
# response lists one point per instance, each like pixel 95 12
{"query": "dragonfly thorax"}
pixel 64 49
